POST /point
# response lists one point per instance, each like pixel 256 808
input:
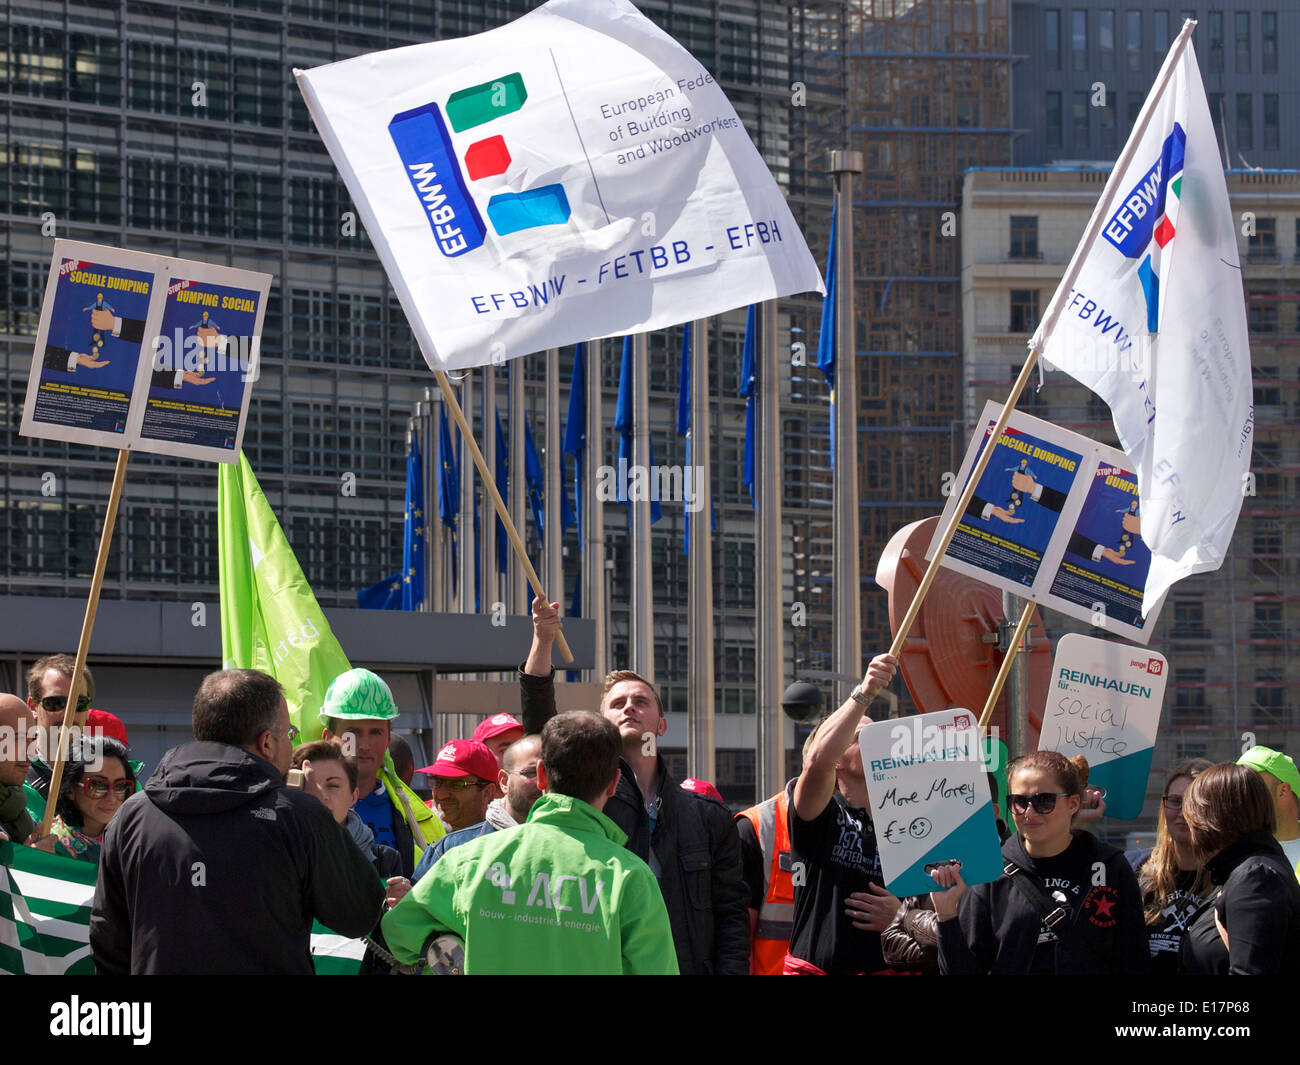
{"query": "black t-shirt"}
pixel 837 850
pixel 1068 878
pixel 1166 934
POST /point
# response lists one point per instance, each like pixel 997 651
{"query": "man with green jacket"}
pixel 558 895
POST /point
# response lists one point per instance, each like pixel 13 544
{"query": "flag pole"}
pixel 552 551
pixel 845 585
pixel 767 558
pixel 699 654
pixel 466 543
pixel 83 644
pixel 594 602
pixel 1048 324
pixel 518 483
pixel 1017 638
pixel 488 545
pixel 489 483
pixel 641 605
pixel 432 526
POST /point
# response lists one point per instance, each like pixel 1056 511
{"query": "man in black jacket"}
pixel 216 866
pixel 688 840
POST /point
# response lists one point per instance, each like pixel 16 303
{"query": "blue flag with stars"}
pixel 414 532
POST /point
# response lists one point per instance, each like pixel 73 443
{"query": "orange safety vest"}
pixel 776 917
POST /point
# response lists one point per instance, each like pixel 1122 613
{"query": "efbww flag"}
pixel 45 905
pixel 270 619
pixel 575 173
pixel 1155 324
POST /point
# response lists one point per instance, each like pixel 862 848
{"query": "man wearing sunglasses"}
pixel 48 682
pixel 518 779
pixel 464 782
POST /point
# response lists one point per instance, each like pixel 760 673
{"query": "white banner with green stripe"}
pixel 45 902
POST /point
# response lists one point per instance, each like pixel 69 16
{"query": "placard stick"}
pixel 458 416
pixel 1004 671
pixel 83 645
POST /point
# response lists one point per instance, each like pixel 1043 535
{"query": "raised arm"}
pixel 816 784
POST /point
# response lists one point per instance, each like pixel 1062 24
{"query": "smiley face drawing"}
pixel 919 828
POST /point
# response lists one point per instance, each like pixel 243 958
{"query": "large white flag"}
pixel 1155 324
pixel 573 174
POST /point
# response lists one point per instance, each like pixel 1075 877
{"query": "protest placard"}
pixel 930 799
pixel 1104 704
pixel 1054 519
pixel 145 352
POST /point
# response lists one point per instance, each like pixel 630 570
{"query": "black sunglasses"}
pixel 1043 803
pixel 55 703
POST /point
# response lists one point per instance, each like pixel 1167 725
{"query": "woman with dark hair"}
pixel 97 779
pixel 1066 903
pixel 1173 880
pixel 1252 924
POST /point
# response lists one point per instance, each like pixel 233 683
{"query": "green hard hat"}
pixel 358 694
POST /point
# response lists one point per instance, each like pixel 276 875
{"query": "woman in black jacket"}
pixel 1252 925
pixel 1066 903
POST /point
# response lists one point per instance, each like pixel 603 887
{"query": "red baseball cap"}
pixel 702 787
pixel 463 758
pixel 101 722
pixel 497 725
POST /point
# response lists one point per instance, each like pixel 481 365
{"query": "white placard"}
pixel 930 799
pixel 145 352
pixel 1104 703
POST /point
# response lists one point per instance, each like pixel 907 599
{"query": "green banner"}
pixel 270 619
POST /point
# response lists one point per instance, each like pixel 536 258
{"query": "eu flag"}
pixel 747 390
pixel 826 336
pixel 449 489
pixel 575 436
pixel 536 481
pixel 386 595
pixel 413 533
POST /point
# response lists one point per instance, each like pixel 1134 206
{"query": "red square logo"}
pixel 1155 666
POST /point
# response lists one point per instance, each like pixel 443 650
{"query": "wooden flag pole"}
pixel 1022 628
pixel 449 396
pixel 83 645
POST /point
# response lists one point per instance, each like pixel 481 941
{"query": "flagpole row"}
pixel 1022 628
pixel 503 512
pixel 83 644
pixel 950 530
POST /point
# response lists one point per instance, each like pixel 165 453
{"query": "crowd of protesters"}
pixel 560 843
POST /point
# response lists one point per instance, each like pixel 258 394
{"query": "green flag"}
pixel 270 619
pixel 44 912
pixel 45 903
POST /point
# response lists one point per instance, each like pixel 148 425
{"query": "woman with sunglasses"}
pixel 1066 903
pixel 97 779
pixel 1251 925
pixel 1173 880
